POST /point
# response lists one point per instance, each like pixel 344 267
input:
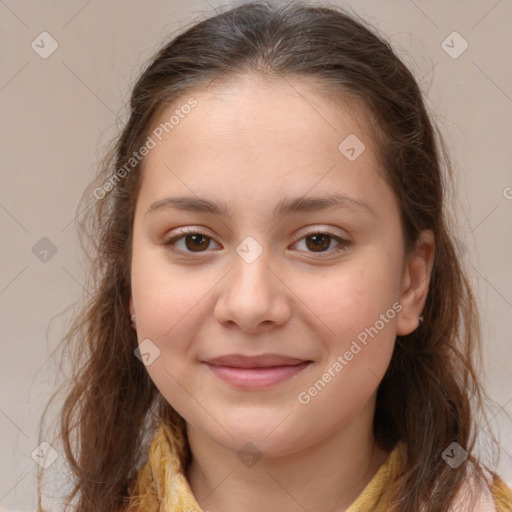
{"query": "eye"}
pixel 194 241
pixel 320 241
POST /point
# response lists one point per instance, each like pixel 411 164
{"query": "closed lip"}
pixel 259 361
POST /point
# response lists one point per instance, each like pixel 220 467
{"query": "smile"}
pixel 256 372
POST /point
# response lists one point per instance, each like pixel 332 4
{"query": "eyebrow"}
pixel 283 207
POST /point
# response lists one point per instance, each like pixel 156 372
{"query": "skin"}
pixel 251 143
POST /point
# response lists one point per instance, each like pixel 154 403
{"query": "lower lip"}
pixel 257 378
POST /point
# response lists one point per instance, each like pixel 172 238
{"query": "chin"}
pixel 269 439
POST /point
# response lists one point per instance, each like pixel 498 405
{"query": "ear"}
pixel 131 309
pixel 415 283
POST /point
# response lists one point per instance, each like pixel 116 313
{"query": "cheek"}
pixel 359 306
pixel 361 309
pixel 166 297
pixel 351 297
pixel 169 305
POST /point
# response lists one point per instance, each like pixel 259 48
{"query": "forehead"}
pixel 254 137
pixel 284 106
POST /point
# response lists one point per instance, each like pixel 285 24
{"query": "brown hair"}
pixel 114 407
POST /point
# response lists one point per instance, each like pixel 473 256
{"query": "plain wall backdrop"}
pixel 60 109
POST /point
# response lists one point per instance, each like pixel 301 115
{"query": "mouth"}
pixel 256 372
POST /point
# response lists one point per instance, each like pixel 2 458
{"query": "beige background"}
pixel 58 113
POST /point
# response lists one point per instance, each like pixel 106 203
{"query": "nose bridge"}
pixel 252 294
pixel 251 276
pixel 251 273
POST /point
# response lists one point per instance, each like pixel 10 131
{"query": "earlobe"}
pixel 415 283
pixel 131 310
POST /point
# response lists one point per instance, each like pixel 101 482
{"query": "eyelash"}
pixel 342 243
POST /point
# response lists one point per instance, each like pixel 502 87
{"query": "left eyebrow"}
pixel 283 207
pixel 312 204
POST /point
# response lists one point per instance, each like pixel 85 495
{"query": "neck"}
pixel 326 476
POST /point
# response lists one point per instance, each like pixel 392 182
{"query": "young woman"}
pixel 280 320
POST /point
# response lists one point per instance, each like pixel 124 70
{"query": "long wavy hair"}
pixel 430 395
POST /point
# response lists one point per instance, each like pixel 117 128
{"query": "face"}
pixel 267 311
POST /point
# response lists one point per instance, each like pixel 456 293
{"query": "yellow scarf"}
pixel 161 485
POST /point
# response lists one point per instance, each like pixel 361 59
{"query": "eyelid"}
pixel 182 232
pixel 321 229
pixel 343 243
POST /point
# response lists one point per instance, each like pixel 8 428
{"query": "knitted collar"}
pixel 161 484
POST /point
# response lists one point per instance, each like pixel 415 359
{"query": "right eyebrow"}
pixel 188 203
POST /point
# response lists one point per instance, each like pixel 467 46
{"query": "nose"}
pixel 254 296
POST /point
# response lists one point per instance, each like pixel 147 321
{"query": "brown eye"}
pixel 198 241
pixel 189 241
pixel 320 242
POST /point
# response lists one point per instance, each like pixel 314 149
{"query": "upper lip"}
pixel 260 361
